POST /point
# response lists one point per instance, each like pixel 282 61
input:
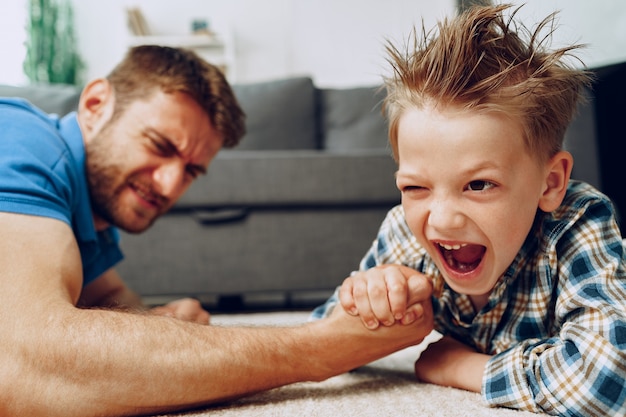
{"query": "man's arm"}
pixel 61 360
pixel 110 291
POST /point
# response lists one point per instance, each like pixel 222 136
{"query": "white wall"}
pixel 12 36
pixel 337 42
pixel 600 24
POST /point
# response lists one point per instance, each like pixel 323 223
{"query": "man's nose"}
pixel 169 179
pixel 445 214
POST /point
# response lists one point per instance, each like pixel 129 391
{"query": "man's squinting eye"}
pixel 194 172
pixel 163 147
pixel 480 185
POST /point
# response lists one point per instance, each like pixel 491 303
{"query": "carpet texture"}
pixel 383 388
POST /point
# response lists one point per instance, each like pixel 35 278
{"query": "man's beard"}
pixel 106 182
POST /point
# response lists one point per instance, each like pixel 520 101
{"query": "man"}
pixel 75 341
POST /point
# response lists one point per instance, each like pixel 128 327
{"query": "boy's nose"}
pixel 445 214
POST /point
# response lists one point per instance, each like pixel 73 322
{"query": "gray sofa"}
pixel 279 221
pixel 285 216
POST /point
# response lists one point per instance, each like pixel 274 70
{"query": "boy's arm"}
pixel 582 369
pixel 450 363
pixel 61 360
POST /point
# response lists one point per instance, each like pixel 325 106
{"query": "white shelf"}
pixel 188 41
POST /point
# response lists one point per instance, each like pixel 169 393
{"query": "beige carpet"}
pixel 386 387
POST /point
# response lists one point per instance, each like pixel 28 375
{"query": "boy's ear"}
pixel 95 106
pixel 558 171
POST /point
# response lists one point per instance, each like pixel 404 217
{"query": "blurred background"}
pixel 339 43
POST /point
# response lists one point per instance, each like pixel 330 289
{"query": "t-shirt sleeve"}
pixel 35 176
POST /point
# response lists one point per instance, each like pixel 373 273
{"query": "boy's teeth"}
pixel 452 247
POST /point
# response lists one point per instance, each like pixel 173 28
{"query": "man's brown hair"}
pixel 482 61
pixel 147 68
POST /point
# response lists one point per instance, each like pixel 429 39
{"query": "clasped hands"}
pixel 395 294
pixel 387 295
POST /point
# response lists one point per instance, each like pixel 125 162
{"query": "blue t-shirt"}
pixel 42 173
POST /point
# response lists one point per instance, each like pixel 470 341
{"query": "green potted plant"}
pixel 51 53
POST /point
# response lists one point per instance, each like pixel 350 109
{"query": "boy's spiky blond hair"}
pixel 482 61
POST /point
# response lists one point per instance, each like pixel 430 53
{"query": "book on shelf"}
pixel 136 22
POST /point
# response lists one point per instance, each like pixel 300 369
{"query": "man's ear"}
pixel 558 171
pixel 95 107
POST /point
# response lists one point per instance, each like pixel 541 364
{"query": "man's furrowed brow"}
pixel 170 147
pixel 166 142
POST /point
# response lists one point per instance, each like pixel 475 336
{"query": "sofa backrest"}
pixel 351 119
pixel 292 113
pixel 59 99
pixel 280 115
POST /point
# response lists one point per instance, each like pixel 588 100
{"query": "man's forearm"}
pixel 103 362
pixel 95 362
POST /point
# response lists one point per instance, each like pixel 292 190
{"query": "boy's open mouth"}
pixel 462 258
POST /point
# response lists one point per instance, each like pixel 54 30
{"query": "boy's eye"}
pixel 413 191
pixel 480 185
pixel 409 188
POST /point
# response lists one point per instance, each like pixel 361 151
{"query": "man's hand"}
pixel 187 309
pixel 386 294
pixel 449 362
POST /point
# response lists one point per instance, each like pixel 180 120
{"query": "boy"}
pixel 528 267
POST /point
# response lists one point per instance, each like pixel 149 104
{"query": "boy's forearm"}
pixel 450 363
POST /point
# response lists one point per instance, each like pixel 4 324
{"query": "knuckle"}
pixel 395 288
pixel 377 291
pixel 359 290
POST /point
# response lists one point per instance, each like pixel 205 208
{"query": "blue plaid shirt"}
pixel 555 322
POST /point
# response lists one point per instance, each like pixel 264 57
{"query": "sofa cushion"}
pixel 51 98
pixel 279 114
pixel 295 178
pixel 352 119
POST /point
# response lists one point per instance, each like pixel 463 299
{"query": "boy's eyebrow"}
pixel 172 148
pixel 473 170
pixel 404 173
pixel 483 166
